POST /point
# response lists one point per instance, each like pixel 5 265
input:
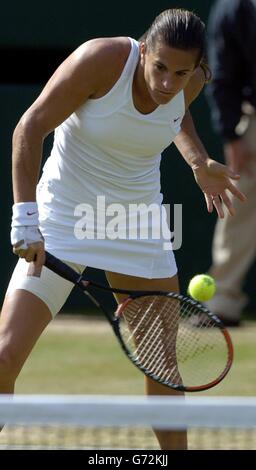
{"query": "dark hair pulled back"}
pixel 180 29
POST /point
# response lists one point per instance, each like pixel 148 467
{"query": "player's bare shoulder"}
pixel 194 86
pixel 106 58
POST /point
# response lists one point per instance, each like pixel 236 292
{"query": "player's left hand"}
pixel 214 180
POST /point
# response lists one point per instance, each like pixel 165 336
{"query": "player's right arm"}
pixel 87 73
pixel 81 76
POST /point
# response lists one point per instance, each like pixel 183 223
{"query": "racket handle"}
pixel 60 268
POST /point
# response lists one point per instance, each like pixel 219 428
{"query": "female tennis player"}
pixel 115 104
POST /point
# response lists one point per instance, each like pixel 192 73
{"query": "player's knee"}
pixel 9 364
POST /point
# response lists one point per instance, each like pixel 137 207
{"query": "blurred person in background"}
pixel 232 99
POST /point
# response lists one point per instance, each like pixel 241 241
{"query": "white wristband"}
pixel 25 214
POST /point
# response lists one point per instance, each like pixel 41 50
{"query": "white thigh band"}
pixel 52 289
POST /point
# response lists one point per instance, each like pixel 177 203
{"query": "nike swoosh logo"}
pixel 176 119
pixel 31 213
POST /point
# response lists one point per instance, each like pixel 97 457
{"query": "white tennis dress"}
pixel 104 162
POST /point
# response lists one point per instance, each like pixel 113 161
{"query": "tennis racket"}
pixel 170 338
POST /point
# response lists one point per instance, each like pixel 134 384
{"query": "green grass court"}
pixel 80 355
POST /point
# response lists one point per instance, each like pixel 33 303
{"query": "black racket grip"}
pixel 62 269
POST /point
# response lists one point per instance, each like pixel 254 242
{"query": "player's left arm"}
pixel 187 141
pixel 212 177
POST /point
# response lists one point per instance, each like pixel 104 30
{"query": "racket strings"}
pixel 151 337
pixel 174 340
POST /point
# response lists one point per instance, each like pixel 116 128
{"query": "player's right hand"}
pixel 28 243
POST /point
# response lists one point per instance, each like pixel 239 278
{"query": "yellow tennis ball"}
pixel 202 287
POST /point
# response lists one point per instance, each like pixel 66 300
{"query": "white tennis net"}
pixel 125 422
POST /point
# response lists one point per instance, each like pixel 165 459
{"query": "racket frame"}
pixel 79 280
